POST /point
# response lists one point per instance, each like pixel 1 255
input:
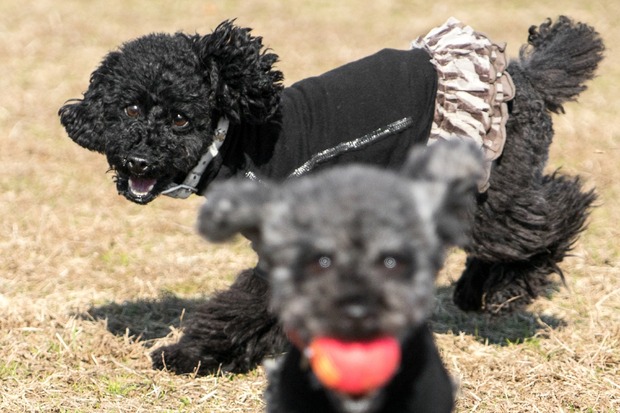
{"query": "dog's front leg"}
pixel 233 331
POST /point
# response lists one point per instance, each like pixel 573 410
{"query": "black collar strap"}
pixel 190 184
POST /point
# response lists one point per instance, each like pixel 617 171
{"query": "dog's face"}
pixel 352 253
pixel 155 112
pixel 152 106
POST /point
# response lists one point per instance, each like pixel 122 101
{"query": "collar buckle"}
pixel 190 184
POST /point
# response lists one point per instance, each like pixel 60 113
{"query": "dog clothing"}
pixel 451 84
pixel 473 89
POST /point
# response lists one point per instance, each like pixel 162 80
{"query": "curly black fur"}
pixel 152 107
pixel 244 331
pixel 559 58
pixel 162 79
pixel 520 236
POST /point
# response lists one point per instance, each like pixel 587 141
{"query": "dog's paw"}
pixel 181 360
pixel 510 299
pixel 502 288
pixel 468 290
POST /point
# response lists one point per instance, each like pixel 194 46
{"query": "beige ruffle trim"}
pixel 472 91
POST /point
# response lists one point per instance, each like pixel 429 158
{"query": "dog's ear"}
pixel 445 161
pixel 233 207
pixel 449 172
pixel 83 119
pixel 247 87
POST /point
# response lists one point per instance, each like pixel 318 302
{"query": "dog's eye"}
pixel 133 111
pixel 319 264
pixel 325 262
pixel 179 121
pixel 394 264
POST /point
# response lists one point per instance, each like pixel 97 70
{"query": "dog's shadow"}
pixel 498 330
pixel 146 320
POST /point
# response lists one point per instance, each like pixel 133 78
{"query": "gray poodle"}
pixel 352 256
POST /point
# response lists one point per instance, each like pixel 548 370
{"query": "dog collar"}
pixel 190 184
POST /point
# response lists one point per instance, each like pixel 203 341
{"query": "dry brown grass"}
pixel 89 282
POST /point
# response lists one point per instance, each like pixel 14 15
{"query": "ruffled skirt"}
pixel 472 91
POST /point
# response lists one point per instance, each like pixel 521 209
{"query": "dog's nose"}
pixel 137 165
pixel 356 311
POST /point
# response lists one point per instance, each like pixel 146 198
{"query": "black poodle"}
pixel 174 113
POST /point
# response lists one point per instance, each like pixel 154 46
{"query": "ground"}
pixel 89 282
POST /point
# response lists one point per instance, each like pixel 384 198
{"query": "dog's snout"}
pixel 137 165
pixel 356 311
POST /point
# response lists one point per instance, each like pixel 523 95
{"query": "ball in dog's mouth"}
pixel 354 368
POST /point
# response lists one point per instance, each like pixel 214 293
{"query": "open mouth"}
pixel 138 189
pixel 141 187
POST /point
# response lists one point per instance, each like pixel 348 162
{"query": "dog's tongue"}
pixel 354 367
pixel 141 186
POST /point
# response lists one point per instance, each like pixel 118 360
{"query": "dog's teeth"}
pixel 141 187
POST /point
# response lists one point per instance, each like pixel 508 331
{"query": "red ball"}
pixel 354 367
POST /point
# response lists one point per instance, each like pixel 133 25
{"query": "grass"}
pixel 89 283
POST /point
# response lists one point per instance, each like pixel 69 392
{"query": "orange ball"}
pixel 354 367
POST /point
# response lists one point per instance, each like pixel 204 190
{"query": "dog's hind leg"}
pixel 233 331
pixel 526 222
pixel 504 286
pixel 568 210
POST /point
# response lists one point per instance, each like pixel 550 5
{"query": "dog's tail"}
pixel 559 58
